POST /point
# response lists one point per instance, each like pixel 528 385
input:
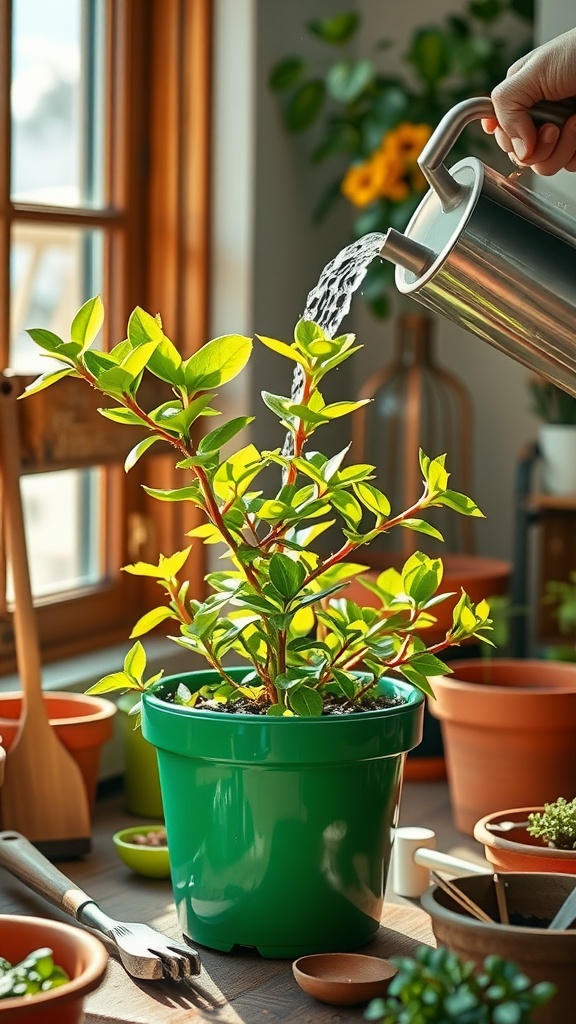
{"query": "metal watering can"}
pixel 491 255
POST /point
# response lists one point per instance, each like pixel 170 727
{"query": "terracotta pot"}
pixel 82 723
pixel 543 955
pixel 508 728
pixel 517 850
pixel 82 956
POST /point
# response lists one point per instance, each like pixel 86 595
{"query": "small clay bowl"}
pixel 150 861
pixel 343 979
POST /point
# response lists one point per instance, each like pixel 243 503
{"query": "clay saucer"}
pixel 343 979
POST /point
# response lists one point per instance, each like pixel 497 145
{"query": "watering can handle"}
pixel 431 159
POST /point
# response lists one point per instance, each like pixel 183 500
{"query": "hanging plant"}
pixel 375 123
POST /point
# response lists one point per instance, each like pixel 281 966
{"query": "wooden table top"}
pixel 232 989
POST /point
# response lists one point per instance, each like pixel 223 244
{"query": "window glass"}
pixel 57 102
pixel 53 270
pixel 63 533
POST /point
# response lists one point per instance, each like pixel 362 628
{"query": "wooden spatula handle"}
pixel 26 863
pixel 25 629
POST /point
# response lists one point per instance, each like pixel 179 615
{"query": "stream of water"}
pixel 329 301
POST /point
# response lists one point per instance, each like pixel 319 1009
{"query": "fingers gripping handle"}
pixel 449 129
pixel 31 867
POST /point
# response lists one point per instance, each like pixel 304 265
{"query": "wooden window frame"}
pixel 156 255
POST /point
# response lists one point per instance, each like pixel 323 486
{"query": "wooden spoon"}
pixel 43 796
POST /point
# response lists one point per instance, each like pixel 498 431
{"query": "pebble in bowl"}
pixel 80 955
pixel 143 849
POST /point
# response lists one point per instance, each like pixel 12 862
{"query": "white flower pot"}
pixel 557 445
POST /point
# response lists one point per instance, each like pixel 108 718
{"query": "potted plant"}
pixel 438 987
pixel 556 436
pixel 531 838
pixel 280 778
pixel 47 970
pixel 542 954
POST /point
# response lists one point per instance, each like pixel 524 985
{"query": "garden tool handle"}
pixel 449 129
pixel 25 862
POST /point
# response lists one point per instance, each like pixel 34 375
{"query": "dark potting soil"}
pixel 529 922
pixel 333 705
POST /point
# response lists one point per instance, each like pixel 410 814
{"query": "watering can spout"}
pixel 490 254
pixel 406 252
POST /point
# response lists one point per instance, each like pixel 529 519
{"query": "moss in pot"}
pixel 555 825
pixel 310 656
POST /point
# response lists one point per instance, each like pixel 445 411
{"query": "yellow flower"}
pixel 362 183
pixel 391 172
pixel 409 139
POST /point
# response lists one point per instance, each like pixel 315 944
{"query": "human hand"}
pixel 546 73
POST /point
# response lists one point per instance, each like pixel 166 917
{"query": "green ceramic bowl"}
pixel 150 861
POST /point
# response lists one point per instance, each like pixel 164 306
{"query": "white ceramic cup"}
pixel 408 878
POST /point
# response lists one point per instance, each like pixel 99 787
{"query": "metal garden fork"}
pixel 145 953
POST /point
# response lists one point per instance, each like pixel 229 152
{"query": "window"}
pixel 103 189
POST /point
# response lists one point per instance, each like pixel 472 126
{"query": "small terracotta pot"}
pixel 517 850
pixel 508 728
pixel 543 955
pixel 81 722
pixel 83 957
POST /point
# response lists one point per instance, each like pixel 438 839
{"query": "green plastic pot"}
pixel 141 780
pixel 280 829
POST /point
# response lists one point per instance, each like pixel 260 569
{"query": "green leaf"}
pixel 151 619
pixel 347 80
pixel 168 566
pixel 347 506
pixel 114 681
pixel 421 577
pixel 307 332
pixel 214 441
pixel 139 358
pixel 143 328
pixel 286 574
pixel 421 526
pixel 460 503
pixel 306 702
pixel 373 499
pixel 430 55
pixel 305 105
pixel 118 414
pixel 337 409
pixel 524 8
pixel 96 362
pixel 177 494
pixel 135 661
pixel 337 29
pixel 417 679
pixel 138 450
pixel 116 381
pixel 45 381
pixel 87 322
pixel 166 363
pixel 286 74
pixel 45 339
pixel 217 362
pixel 290 351
pixel 485 10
